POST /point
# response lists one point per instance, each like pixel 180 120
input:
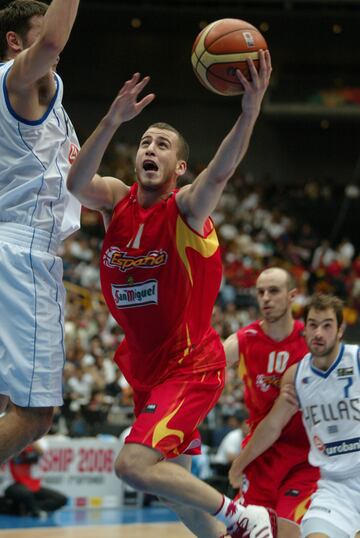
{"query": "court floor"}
pixel 110 523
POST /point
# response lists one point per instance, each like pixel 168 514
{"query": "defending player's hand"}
pixel 126 105
pixel 256 87
pixel 236 474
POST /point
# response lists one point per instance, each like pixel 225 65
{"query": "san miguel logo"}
pixel 115 258
pixel 73 153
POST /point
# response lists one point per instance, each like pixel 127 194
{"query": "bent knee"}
pixel 132 471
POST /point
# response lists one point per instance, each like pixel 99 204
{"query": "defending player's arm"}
pixel 33 63
pixel 269 429
pixel 232 351
pixel 90 188
pixel 198 201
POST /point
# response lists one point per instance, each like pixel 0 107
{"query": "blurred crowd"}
pixel 259 225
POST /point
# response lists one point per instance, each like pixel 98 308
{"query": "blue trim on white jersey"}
pixel 334 365
pixel 296 377
pixel 35 321
pixel 23 120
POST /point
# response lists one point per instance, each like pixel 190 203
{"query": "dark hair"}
pixel 321 301
pixel 183 151
pixel 16 18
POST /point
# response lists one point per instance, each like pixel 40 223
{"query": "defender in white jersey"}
pixel 326 386
pixel 37 147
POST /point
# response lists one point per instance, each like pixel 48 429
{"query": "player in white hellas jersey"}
pixel 37 147
pixel 326 386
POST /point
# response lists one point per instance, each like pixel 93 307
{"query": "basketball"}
pixel 222 47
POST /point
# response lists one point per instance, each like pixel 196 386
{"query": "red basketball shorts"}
pixel 167 417
pixel 282 480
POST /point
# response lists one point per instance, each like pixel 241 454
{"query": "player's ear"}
pixel 181 167
pixel 14 42
pixel 341 330
pixel 293 293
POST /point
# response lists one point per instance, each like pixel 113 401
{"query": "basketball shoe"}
pixel 255 522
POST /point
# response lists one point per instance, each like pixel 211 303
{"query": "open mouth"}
pixel 150 166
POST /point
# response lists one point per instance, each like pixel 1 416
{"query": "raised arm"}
pixel 92 190
pixel 33 63
pixel 198 201
pixel 268 430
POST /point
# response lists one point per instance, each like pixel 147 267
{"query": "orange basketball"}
pixel 222 47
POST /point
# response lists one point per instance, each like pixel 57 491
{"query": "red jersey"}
pixel 20 470
pixel 160 280
pixel 263 361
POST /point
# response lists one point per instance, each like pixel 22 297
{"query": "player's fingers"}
pixel 267 58
pixel 145 101
pixel 244 81
pixel 141 85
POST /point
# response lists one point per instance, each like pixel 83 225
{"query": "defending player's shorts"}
pixel 32 306
pixel 167 417
pixel 335 505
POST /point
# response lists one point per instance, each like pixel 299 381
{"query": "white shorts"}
pixel 32 310
pixel 336 503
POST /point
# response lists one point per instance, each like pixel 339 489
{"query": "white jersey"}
pixel 35 157
pixel 330 403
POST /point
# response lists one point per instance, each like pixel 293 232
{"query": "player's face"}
pixel 322 332
pixel 157 162
pixel 273 296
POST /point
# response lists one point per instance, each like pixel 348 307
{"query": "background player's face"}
pixel 273 295
pixel 322 332
pixel 157 161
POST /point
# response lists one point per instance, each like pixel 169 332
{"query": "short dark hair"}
pixel 16 18
pixel 322 301
pixel 183 151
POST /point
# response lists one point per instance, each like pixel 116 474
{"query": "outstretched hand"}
pixel 257 86
pixel 125 106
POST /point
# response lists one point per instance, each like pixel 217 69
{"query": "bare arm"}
pixel 232 352
pixel 35 62
pixel 91 189
pixel 199 200
pixel 267 432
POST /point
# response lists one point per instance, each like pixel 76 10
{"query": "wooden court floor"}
pixel 149 530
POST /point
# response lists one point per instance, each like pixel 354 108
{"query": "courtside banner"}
pixel 82 469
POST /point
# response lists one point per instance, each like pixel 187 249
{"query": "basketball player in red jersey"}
pixel 281 477
pixel 160 275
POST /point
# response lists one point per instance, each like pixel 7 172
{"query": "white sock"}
pixel 229 512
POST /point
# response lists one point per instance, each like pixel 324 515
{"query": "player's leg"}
pixel 200 523
pixel 166 426
pixel 294 496
pixel 31 341
pixel 20 426
pixel 4 400
pixel 144 469
pixel 288 529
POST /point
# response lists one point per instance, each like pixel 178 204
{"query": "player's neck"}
pixel 280 329
pixel 147 197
